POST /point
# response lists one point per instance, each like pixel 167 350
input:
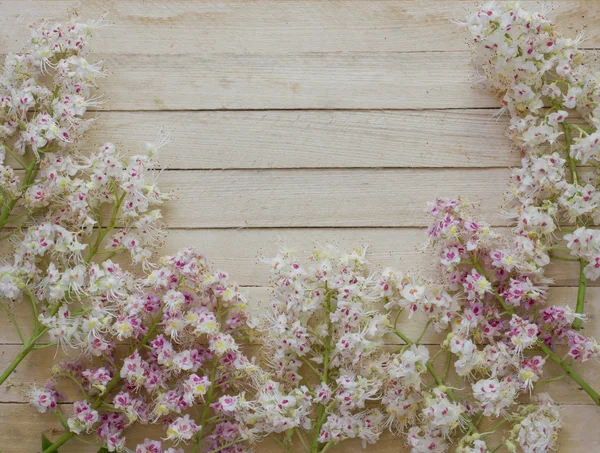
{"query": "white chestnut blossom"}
pixel 166 370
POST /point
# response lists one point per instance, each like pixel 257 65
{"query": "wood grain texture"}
pixel 365 80
pixel 324 198
pixel 277 26
pixel 313 139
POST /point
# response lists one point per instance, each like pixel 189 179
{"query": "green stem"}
pixel 554 379
pixel 284 446
pixel 564 258
pixel 27 348
pixel 44 346
pixel 327 446
pixel 557 247
pixel 222 447
pixel 306 362
pixel 16 157
pixel 577 323
pixel 33 303
pixel 60 442
pixel 322 410
pixel 23 213
pixel 497 425
pixel 497 448
pixel 397 317
pixel 229 381
pixel 436 355
pixel 448 363
pixel 594 164
pixel 571 372
pixel 403 337
pixel 103 232
pixel 424 331
pixel 570 160
pixel 299 434
pixel 61 419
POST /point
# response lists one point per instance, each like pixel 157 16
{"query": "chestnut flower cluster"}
pixel 503 333
pixel 65 213
pixel 553 98
pixel 324 320
pixel 333 378
pixel 170 356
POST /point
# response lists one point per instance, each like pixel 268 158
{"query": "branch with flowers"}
pixel 551 95
pixel 323 338
pixel 65 213
pixel 171 358
pixel 334 379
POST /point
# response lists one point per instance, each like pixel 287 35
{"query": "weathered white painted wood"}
pixel 322 198
pixel 275 26
pixel 307 139
pixel 292 81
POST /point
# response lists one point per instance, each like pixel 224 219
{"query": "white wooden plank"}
pixel 276 26
pixel 292 81
pixel 235 54
pixel 313 139
pixel 324 198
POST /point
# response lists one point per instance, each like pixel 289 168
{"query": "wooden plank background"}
pixel 299 121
